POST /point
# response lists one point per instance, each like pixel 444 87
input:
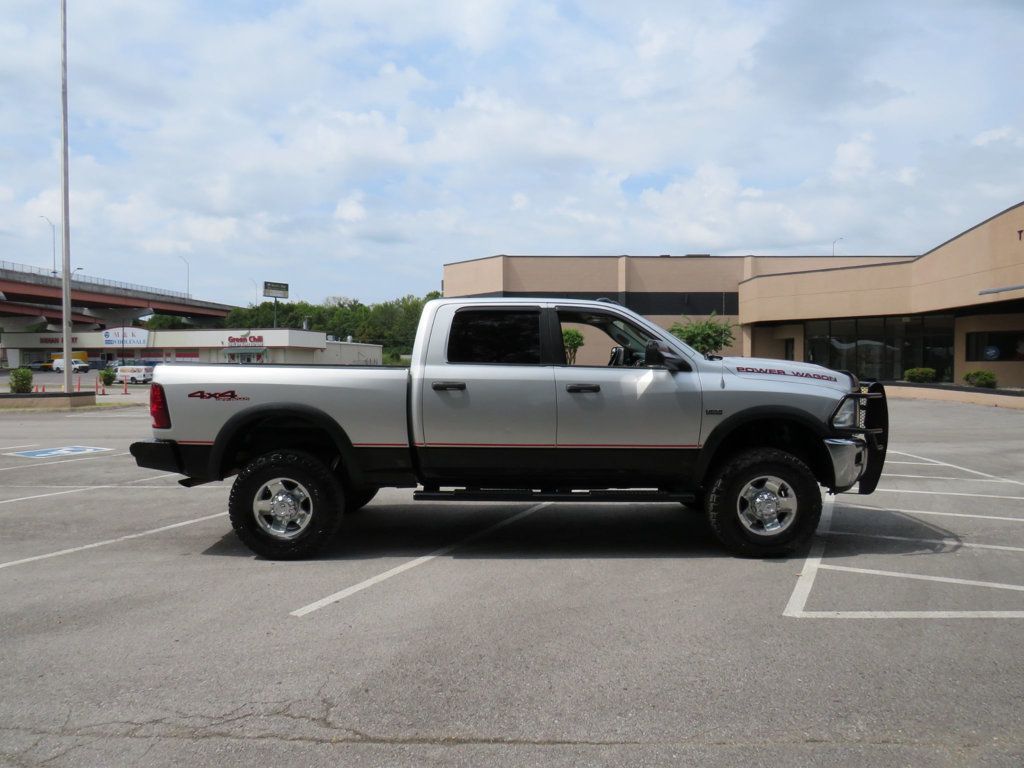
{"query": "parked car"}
pixel 134 374
pixel 40 365
pixel 77 366
pixel 491 410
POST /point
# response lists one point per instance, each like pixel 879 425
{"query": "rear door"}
pixel 488 401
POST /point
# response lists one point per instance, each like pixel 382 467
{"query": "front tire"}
pixel 763 503
pixel 285 505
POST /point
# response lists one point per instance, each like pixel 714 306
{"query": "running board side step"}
pixel 517 494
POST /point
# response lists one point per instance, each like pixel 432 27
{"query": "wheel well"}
pixel 277 432
pixel 784 434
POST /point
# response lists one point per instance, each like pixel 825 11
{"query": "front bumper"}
pixel 849 460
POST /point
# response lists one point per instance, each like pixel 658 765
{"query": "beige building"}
pixel 956 308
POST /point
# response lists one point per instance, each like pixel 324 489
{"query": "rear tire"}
pixel 763 503
pixel 285 505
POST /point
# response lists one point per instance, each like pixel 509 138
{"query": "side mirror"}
pixel 658 353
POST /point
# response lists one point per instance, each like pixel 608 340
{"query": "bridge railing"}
pixel 80 278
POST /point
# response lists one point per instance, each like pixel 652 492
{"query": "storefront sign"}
pixel 126 337
pixel 245 341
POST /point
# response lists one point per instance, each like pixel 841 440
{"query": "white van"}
pixel 134 374
pixel 77 366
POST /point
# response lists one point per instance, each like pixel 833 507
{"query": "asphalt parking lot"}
pixel 135 630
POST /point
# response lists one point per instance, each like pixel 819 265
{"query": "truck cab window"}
pixel 607 339
pixel 495 336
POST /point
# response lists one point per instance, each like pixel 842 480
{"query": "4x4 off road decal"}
pixel 220 396
pixel 780 372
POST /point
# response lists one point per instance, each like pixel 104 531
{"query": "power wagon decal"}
pixel 780 372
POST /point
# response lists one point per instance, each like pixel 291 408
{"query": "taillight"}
pixel 158 407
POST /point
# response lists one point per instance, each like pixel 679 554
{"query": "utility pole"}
pixel 66 323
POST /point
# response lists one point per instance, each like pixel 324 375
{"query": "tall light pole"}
pixel 187 277
pixel 53 233
pixel 65 200
pixel 834 245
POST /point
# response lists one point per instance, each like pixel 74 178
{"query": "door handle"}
pixel 583 388
pixel 445 386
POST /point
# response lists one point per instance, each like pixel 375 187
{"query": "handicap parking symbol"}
pixel 67 450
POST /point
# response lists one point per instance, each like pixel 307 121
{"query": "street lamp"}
pixel 53 232
pixel 187 277
pixel 834 245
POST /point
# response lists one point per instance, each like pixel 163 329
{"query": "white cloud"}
pixel 350 209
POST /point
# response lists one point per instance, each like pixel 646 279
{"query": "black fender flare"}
pixel 237 423
pixel 759 413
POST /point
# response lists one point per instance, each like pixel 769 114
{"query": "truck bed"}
pixel 369 400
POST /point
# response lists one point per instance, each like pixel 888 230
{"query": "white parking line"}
pixel 889 461
pixel 949 493
pixel 63 461
pixel 921 577
pixel 961 479
pixel 954 466
pixel 11 447
pixel 911 615
pixel 44 495
pixel 348 592
pixel 930 512
pixel 23 561
pixel 944 542
pixel 802 590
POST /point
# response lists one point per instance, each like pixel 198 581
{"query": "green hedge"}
pixel 107 376
pixel 919 375
pixel 21 381
pixel 985 379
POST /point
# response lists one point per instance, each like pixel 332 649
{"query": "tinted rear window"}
pixel 495 336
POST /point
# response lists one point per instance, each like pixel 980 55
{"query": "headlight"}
pixel 845 416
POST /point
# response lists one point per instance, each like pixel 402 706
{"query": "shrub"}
pixel 107 376
pixel 21 380
pixel 919 375
pixel 706 336
pixel 572 340
pixel 985 379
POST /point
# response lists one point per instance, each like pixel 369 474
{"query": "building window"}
pixel 992 346
pixel 789 349
pixel 882 347
pixel 495 336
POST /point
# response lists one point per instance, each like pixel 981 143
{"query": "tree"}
pixel 572 340
pixel 707 336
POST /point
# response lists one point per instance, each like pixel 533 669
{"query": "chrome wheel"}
pixel 766 505
pixel 282 508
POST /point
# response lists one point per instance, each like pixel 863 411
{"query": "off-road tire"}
pixel 357 498
pixel 730 479
pixel 325 495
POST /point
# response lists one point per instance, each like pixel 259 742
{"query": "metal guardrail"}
pixel 80 278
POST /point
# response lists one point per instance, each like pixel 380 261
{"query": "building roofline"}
pixel 909 260
pixel 679 256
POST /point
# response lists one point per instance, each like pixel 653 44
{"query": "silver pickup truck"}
pixel 489 409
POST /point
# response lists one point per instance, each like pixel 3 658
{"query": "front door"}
pixel 618 420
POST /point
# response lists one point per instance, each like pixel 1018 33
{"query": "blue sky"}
pixel 352 148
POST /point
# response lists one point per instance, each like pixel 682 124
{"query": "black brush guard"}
pixel 875 410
